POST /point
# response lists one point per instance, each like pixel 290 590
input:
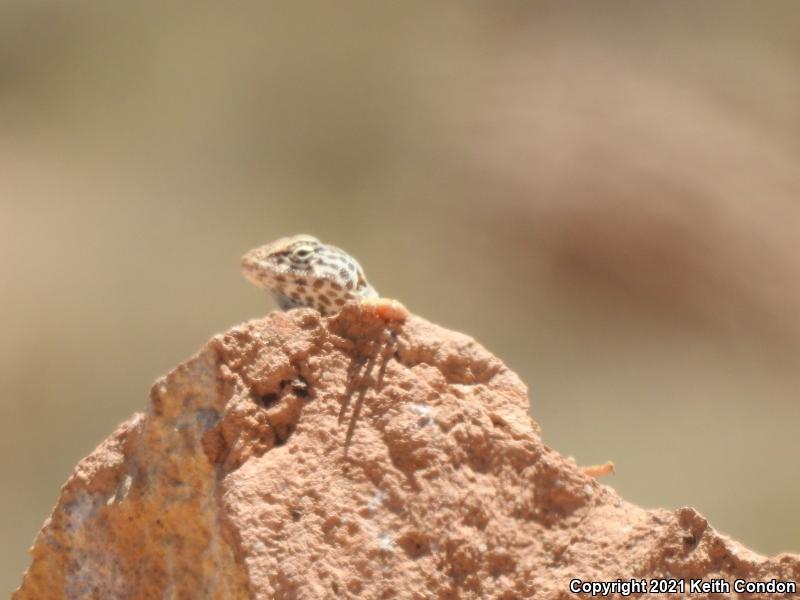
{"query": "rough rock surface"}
pixel 300 457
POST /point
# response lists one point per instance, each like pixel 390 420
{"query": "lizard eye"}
pixel 302 252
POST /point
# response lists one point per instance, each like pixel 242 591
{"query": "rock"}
pixel 301 457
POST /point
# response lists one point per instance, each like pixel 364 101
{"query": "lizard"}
pixel 301 271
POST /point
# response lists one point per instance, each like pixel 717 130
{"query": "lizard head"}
pixel 302 271
pixel 286 257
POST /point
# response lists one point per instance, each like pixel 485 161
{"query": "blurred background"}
pixel 603 194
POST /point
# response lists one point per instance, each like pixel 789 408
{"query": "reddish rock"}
pixel 300 457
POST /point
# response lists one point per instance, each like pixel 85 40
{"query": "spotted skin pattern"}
pixel 301 271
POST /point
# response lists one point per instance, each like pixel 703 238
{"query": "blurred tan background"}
pixel 606 195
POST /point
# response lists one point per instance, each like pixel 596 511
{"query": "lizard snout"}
pixel 253 268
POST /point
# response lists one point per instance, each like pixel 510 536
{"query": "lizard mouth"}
pixel 252 269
